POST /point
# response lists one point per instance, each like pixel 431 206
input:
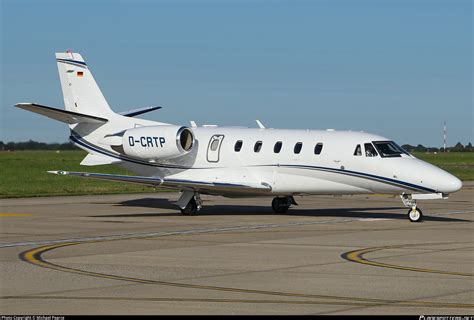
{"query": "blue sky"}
pixel 395 68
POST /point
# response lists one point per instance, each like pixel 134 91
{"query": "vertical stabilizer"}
pixel 81 92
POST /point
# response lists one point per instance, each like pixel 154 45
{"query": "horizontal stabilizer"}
pixel 206 186
pixel 136 112
pixel 65 116
pixel 96 160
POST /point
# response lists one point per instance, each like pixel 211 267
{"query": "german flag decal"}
pixel 80 73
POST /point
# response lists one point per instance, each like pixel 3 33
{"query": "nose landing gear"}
pixel 414 214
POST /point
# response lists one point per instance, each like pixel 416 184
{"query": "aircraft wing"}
pixel 112 177
pixel 179 184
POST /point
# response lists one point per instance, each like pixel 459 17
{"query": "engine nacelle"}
pixel 157 142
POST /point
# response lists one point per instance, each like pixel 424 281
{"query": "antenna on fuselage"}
pixel 444 137
pixel 260 124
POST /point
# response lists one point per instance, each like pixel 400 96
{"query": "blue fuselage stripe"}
pixel 72 61
pixel 363 175
pixel 101 151
pixel 317 168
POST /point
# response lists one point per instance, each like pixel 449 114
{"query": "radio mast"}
pixel 444 137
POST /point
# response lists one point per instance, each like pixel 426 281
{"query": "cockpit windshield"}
pixel 388 149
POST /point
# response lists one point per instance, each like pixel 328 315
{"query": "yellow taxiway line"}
pixel 8 214
pixel 358 256
pixel 34 256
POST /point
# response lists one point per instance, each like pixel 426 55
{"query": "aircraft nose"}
pixel 435 178
pixel 452 184
pixel 447 183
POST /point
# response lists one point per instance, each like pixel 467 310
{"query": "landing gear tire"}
pixel 415 215
pixel 280 205
pixel 191 208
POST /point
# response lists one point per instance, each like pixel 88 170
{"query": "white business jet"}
pixel 232 161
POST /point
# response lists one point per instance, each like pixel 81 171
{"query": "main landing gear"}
pixel 190 203
pixel 414 213
pixel 282 204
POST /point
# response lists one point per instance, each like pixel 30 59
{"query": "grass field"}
pixel 23 173
pixel 460 164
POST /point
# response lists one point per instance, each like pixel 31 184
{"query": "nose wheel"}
pixel 415 214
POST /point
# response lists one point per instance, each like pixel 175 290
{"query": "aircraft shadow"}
pixel 236 210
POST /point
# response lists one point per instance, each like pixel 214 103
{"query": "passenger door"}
pixel 214 148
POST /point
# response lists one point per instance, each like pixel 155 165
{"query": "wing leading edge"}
pixel 206 186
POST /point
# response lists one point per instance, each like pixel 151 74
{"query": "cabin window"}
pixel 370 150
pixel 277 147
pixel 358 151
pixel 215 145
pixel 258 146
pixel 298 147
pixel 238 146
pixel 318 148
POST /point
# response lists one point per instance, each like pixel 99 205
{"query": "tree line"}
pixel 458 147
pixel 34 145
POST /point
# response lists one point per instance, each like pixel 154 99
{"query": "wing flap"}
pixel 65 116
pixel 233 187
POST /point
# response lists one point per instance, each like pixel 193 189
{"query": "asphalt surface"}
pixel 136 254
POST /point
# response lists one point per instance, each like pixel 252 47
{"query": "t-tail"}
pixel 83 101
pixel 94 126
pixel 80 91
